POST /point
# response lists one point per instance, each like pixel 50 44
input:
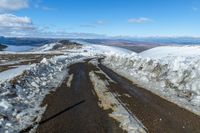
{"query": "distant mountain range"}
pixel 147 40
pixel 170 40
pixel 16 41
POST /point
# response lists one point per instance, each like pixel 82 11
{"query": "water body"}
pixel 14 48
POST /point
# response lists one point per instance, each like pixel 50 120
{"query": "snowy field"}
pixel 170 72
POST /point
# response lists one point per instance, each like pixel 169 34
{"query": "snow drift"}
pixel 174 76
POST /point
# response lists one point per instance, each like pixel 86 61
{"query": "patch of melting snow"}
pixel 70 80
pixel 127 95
pixel 108 101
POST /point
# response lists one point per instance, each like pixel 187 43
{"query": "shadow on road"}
pixel 52 117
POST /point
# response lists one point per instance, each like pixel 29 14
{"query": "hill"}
pixel 2 47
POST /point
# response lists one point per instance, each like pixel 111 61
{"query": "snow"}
pixel 108 101
pixel 169 51
pixel 70 80
pixel 105 50
pixel 46 47
pixel 4 104
pixel 11 73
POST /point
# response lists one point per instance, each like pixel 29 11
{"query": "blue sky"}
pixel 101 18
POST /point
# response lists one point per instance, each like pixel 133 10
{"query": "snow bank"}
pixel 101 50
pixel 20 98
pixel 173 76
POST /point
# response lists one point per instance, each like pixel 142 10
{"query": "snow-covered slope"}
pixel 46 47
pixel 105 50
pixel 62 45
pixel 169 51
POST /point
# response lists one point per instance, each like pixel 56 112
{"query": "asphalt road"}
pixel 87 117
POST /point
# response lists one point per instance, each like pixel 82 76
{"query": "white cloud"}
pixel 42 7
pixel 16 26
pixel 140 20
pixel 100 22
pixel 13 4
pixel 11 24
